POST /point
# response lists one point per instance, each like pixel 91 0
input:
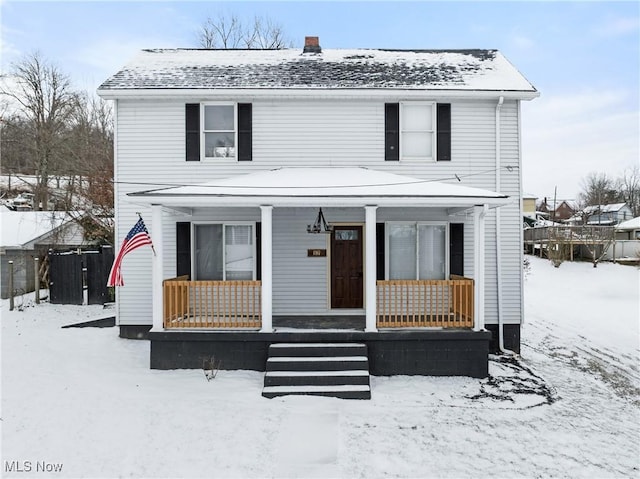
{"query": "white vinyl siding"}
pixel 150 145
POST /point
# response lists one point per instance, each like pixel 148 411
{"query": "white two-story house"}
pixel 368 196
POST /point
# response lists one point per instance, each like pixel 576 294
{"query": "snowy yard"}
pixel 85 402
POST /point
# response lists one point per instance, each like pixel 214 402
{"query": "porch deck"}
pixel 424 328
pixel 217 305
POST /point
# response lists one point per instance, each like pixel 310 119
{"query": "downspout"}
pixel 498 229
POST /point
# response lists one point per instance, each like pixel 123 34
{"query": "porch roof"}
pixel 322 186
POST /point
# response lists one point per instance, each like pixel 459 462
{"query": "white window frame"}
pixel 404 129
pixel 203 132
pixel 447 255
pixel 224 243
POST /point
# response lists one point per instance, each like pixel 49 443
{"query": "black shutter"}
pixel 380 239
pixel 456 249
pixel 392 131
pixel 192 129
pixel 444 132
pixel 183 248
pixel 245 150
pixel 258 251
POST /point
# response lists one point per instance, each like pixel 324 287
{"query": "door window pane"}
pixel 346 235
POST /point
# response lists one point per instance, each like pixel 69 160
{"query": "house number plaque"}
pixel 315 253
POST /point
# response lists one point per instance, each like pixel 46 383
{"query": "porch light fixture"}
pixel 320 225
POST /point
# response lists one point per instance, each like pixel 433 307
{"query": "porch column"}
pixel 370 262
pixel 156 267
pixel 267 268
pixel 479 213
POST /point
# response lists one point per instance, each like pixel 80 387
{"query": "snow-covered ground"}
pixel 85 402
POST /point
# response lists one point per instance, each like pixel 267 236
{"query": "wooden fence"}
pixel 425 303
pixel 211 304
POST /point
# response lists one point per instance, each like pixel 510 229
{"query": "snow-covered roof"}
pixel 176 69
pixel 325 185
pixel 22 227
pixel 632 224
pixel 612 208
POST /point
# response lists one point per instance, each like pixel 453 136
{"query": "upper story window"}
pixel 417 130
pixel 417 123
pixel 219 130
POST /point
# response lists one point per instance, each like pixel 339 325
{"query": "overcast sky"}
pixel 583 57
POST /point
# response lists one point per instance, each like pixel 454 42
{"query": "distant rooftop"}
pixel 466 70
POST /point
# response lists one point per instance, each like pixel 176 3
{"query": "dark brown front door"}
pixel 346 267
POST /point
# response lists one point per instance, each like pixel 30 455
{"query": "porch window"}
pixel 417 251
pixel 224 252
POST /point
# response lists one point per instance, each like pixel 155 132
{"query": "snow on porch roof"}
pixel 335 186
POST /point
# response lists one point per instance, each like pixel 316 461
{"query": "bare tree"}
pixel 229 31
pixel 630 187
pixel 599 189
pixel 45 99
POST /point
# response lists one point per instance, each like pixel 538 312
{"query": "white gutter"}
pixel 498 229
pixel 309 93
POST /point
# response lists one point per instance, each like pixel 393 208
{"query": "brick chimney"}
pixel 312 45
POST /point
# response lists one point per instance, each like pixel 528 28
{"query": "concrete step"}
pixel 318 369
pixel 317 349
pixel 347 391
pixel 307 363
pixel 316 378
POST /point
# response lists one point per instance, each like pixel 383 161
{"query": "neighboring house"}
pixel 29 234
pixel 629 230
pixel 236 154
pixel 602 215
pixel 529 204
pixel 558 210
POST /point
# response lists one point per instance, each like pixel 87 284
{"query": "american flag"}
pixel 137 237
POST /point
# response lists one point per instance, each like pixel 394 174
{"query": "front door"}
pixel 346 267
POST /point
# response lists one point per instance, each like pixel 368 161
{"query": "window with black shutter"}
pixel 183 248
pixel 245 132
pixel 380 263
pixel 456 249
pixel 192 130
pixel 417 130
pixel 392 131
pixel 444 132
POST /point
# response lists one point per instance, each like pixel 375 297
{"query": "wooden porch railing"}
pixel 211 304
pixel 425 303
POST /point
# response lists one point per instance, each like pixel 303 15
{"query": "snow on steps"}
pixel 320 369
